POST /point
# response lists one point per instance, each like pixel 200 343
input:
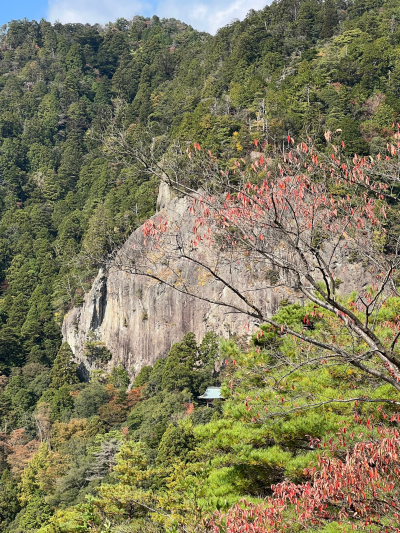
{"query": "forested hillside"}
pixel 280 71
pixel 90 456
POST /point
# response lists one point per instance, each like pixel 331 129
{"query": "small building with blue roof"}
pixel 211 394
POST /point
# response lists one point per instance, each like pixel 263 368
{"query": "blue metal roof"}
pixel 212 393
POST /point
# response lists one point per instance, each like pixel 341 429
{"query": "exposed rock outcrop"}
pixel 139 319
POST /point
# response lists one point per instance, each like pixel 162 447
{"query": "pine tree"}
pixel 330 19
pixel 175 444
pixel 99 239
pixel 142 104
pixel 209 349
pixel 9 503
pixel 74 58
pixel 179 368
pixel 64 369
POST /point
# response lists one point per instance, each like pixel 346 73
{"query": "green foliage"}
pixel 209 350
pixel 64 369
pixel 149 419
pixel 9 504
pixel 61 403
pixel 170 387
pixel 31 484
pixel 32 517
pixel 176 443
pixel 89 400
pixel 65 204
pixel 180 363
pixel 119 377
pixel 177 465
pixel 99 238
pixel 64 207
pixel 188 366
pixel 96 351
pixel 143 376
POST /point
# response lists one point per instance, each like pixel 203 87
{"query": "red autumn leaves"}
pixel 358 485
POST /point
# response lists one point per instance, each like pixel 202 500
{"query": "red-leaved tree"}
pixel 307 220
pixel 358 486
pixel 297 224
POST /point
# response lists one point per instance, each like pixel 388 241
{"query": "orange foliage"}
pixel 189 408
pixel 62 431
pixel 117 408
pixel 19 449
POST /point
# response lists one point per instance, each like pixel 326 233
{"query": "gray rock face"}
pixel 139 319
pixel 164 196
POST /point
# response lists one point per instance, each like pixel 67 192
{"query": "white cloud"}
pixel 93 11
pixel 206 15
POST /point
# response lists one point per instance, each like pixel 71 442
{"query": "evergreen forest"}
pixel 314 447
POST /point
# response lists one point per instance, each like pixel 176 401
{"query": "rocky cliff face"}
pixel 139 319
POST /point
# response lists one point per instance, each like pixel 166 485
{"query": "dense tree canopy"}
pixel 91 117
pixel 332 67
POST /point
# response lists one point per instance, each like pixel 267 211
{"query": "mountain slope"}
pixel 293 67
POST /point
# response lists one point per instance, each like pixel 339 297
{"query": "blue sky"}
pixel 18 9
pixel 206 15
